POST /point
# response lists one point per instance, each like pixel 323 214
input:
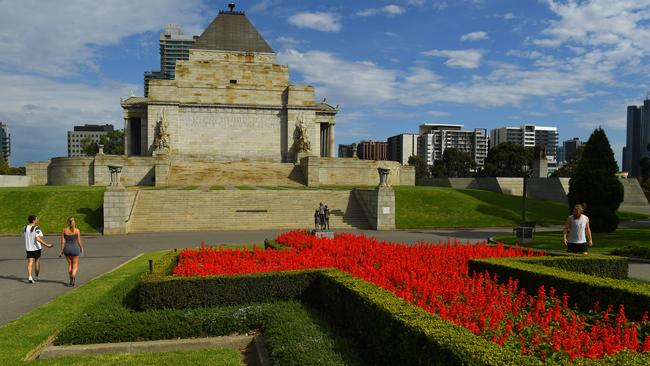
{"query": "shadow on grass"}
pixel 93 218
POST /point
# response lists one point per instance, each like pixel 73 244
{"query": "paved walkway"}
pixel 103 253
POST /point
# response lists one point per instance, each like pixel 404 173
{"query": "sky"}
pixel 389 65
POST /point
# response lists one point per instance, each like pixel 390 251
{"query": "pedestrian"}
pixel 316 223
pixel 33 240
pixel 72 247
pixel 579 234
pixel 327 217
pixel 321 215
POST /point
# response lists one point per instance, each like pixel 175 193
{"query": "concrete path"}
pixel 103 253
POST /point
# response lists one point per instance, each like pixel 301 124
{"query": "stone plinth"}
pixel 378 206
pixel 329 234
pixel 118 203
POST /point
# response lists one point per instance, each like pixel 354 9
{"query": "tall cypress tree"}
pixel 594 183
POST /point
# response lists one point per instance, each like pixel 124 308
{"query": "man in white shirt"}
pixel 33 240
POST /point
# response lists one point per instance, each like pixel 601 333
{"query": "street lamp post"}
pixel 524 169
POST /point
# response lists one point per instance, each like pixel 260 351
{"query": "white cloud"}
pixel 437 113
pixel 288 42
pixel 57 38
pixel 388 10
pixel 324 22
pixel 39 111
pixel 463 59
pixel 474 36
pixel 359 83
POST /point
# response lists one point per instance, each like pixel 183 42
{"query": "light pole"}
pixel 524 169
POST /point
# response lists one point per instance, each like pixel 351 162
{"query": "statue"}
pixel 302 142
pixel 161 141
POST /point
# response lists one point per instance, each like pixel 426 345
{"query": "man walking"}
pixel 33 240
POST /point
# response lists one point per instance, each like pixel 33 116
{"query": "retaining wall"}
pixel 15 181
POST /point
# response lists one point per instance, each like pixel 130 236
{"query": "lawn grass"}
pixel 225 357
pixel 245 188
pixel 420 207
pixel 53 205
pixel 604 243
pixel 217 188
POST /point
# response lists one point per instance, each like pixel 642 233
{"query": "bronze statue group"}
pixel 322 217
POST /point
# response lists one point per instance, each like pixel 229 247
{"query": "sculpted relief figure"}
pixel 161 141
pixel 302 142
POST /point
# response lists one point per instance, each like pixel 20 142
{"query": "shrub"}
pixel 633 251
pixel 594 265
pixel 594 182
pixel 583 290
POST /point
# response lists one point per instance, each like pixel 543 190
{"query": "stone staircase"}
pixel 205 172
pixel 177 210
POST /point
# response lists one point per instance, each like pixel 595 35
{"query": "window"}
pixel 232 81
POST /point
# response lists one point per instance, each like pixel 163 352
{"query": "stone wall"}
pixel 15 181
pixel 554 189
pixel 76 171
pixel 136 171
pixel 349 171
pixel 179 210
pixel 37 172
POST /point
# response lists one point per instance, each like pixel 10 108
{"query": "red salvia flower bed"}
pixel 436 278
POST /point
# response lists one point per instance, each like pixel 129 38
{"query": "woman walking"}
pixel 71 247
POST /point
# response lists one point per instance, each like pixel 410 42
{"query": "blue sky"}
pixel 390 65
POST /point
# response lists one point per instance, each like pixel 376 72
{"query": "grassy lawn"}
pixel 603 242
pixel 53 205
pixel 188 188
pixel 245 188
pixel 225 357
pixel 217 188
pixel 437 207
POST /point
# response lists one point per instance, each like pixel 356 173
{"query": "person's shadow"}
pixel 23 280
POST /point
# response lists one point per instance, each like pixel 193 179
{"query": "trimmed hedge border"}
pixel 593 265
pixel 386 328
pixel 583 289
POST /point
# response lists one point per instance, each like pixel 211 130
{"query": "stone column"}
pixel 385 208
pixel 331 141
pixel 127 132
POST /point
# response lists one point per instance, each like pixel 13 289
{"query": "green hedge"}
pixel 275 245
pixel 583 290
pixel 594 265
pixel 633 251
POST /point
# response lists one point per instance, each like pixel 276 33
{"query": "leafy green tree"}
pixel 506 160
pixel 454 163
pixel 594 183
pixel 4 166
pixel 113 144
pixel 421 170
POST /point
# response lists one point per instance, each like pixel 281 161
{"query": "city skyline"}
pixel 391 66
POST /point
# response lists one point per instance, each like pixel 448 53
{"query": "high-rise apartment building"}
pixel 174 45
pixel 434 139
pixel 638 137
pixel 5 142
pixel 529 136
pixel 92 132
pixel 347 151
pixel 570 148
pixel 372 150
pixel 402 147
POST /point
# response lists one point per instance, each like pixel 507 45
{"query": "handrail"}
pixel 137 193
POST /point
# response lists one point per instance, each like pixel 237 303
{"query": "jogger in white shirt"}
pixel 33 240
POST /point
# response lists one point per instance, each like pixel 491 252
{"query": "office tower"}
pixel 570 148
pixel 5 142
pixel 91 132
pixel 434 139
pixel 174 45
pixel 402 147
pixel 638 137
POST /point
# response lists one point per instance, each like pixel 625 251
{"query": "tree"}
pixel 506 160
pixel 420 165
pixel 594 183
pixel 4 166
pixel 454 163
pixel 113 144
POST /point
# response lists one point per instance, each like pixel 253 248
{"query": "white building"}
pixel 91 132
pixel 402 147
pixel 434 139
pixel 529 136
